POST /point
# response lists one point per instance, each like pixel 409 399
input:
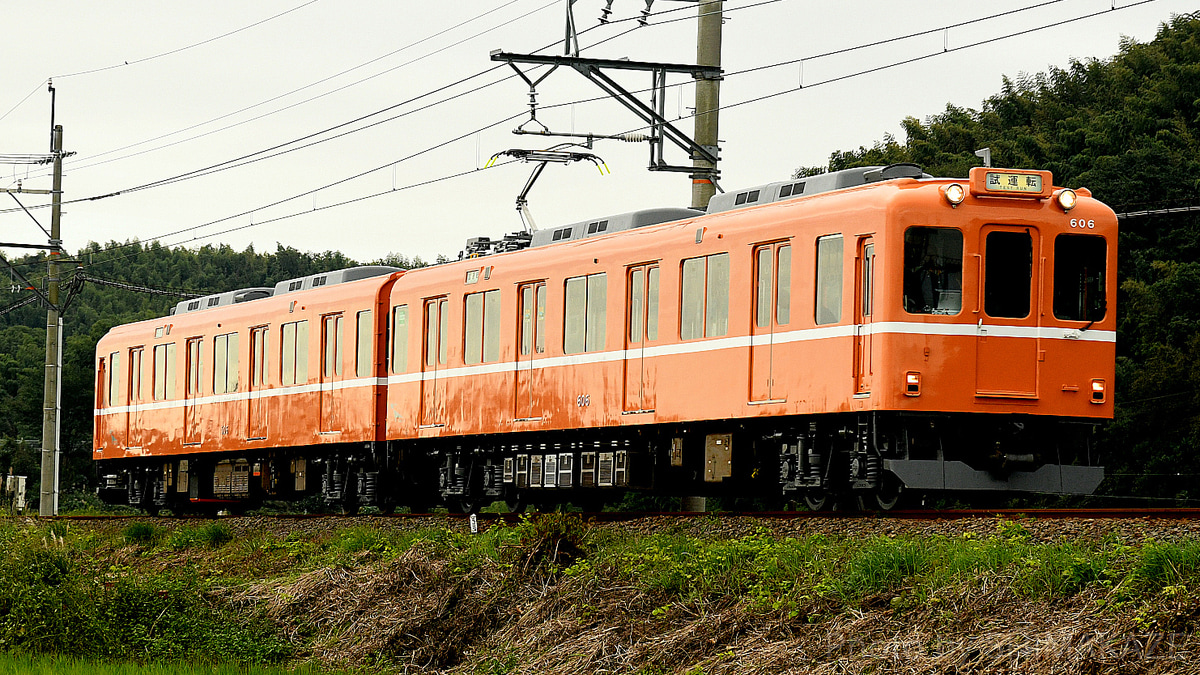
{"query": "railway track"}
pixel 614 516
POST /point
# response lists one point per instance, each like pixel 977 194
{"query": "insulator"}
pixel 633 137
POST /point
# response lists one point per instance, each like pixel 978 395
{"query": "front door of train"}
pixel 137 393
pixel 433 387
pixel 527 403
pixel 863 313
pixel 1007 342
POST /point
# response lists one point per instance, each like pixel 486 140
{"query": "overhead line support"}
pixel 652 114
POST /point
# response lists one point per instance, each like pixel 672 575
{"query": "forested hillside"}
pixel 1128 128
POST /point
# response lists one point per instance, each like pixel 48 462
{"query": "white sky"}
pixel 160 117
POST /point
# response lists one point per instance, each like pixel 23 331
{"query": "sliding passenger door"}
pixel 531 313
pixel 256 417
pixel 641 327
pixel 331 373
pixel 191 390
pixel 772 311
pixel 433 386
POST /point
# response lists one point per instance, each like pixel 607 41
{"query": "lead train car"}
pixel 802 341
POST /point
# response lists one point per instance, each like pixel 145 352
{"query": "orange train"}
pixel 855 334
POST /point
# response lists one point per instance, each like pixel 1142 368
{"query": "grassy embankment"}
pixel 556 595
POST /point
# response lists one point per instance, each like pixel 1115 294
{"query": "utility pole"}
pixel 708 100
pixel 52 396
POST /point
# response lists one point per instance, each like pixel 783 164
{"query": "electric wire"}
pixel 727 106
pixel 191 46
pixel 78 167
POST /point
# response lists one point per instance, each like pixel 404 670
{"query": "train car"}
pixel 847 338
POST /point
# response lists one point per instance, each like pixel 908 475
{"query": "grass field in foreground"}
pixel 27 664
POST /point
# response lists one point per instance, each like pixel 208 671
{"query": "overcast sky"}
pixel 148 91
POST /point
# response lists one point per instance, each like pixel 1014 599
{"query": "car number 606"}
pixel 1083 224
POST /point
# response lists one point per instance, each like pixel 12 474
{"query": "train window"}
pixel 765 280
pixel 192 372
pixel 1008 274
pixel 294 353
pixel 585 313
pixel 164 371
pixel 365 341
pixel 783 287
pixel 258 357
pixel 114 380
pixel 933 270
pixel 331 361
pixel 1080 263
pixel 482 327
pixel 643 303
pixel 400 338
pixel 773 285
pixel 136 393
pixel 829 279
pixel 704 311
pixel 225 363
pixel 533 318
pixel 437 325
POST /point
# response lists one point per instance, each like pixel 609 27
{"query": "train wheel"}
pixel 466 505
pixel 816 499
pixel 889 492
pixel 516 504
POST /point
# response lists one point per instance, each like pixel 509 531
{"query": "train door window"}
pixel 331 353
pixel 192 370
pixel 136 393
pixel 437 324
pixel 294 353
pixel 164 371
pixel 829 279
pixel 114 379
pixel 400 339
pixel 585 313
pixel 704 310
pixel 365 340
pixel 933 270
pixel 258 357
pixel 1008 274
pixel 868 278
pixel 481 326
pixel 772 285
pixel 643 303
pixel 225 363
pixel 533 318
pixel 783 286
pixel 1079 277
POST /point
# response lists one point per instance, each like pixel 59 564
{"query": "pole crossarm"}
pixel 28 286
pixel 705 72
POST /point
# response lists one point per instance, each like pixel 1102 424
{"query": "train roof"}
pixel 800 187
pixel 286 286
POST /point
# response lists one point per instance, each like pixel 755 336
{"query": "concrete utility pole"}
pixel 52 396
pixel 708 105
pixel 708 99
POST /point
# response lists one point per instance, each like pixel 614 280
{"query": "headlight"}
pixel 955 194
pixel 1066 198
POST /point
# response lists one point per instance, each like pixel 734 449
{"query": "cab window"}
pixel 933 270
pixel 1079 276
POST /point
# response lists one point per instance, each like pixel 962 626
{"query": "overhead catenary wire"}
pixel 727 106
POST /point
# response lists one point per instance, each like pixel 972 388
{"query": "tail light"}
pixel 912 383
pixel 1098 391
